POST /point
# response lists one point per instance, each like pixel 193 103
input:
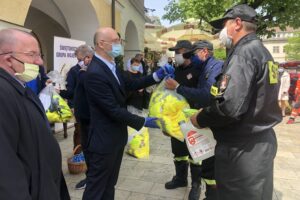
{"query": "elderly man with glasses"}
pixel 30 155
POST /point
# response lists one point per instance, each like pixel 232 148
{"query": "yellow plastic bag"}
pixel 138 143
pixel 168 106
pixel 59 111
pixel 190 112
pixel 56 108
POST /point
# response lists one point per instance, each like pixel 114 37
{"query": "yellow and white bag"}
pixel 168 106
pixel 57 109
pixel 138 143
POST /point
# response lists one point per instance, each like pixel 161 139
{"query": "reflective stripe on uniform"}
pixel 210 182
pixel 182 158
pixel 195 163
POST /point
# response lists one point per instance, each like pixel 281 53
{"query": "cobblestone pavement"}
pixel 144 179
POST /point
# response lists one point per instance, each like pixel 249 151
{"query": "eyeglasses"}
pixel 32 54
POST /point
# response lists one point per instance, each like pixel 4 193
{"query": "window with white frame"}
pixel 275 49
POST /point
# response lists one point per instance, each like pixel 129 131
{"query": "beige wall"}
pixel 14 11
pixel 280 56
pixel 103 12
pixel 48 18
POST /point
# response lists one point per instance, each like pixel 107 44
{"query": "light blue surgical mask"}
pixel 116 50
pixel 135 68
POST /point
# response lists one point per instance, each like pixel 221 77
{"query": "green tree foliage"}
pixel 292 49
pixel 271 13
pixel 220 53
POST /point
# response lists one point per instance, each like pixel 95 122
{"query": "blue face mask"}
pixel 135 68
pixel 196 61
pixel 116 50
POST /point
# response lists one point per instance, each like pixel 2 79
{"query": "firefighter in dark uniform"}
pixel 187 74
pixel 199 96
pixel 244 111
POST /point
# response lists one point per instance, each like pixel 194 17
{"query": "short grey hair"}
pixel 9 38
pixel 84 50
pixel 249 26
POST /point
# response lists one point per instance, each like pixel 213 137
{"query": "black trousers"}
pixel 245 170
pixel 179 149
pixel 84 130
pixel 102 175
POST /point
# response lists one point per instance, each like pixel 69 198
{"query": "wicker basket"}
pixel 76 167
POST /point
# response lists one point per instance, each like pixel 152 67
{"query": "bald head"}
pixel 11 38
pixel 104 39
pixel 16 48
pixel 105 34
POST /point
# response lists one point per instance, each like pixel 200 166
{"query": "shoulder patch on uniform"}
pixel 224 82
pixel 214 90
pixel 273 72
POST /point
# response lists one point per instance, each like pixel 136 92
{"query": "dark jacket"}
pixel 30 155
pixel 107 101
pixel 134 98
pixel 200 94
pixel 187 77
pixel 71 85
pixel 81 106
pixel 246 92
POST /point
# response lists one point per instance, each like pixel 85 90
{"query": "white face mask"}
pixel 81 63
pixel 225 39
pixel 179 59
pixel 280 70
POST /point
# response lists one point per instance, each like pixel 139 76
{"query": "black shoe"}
pixel 195 191
pixel 175 183
pixel 81 185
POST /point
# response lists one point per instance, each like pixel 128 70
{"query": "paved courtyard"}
pixel 143 179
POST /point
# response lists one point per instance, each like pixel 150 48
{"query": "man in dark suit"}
pixel 106 93
pixel 72 81
pixel 30 155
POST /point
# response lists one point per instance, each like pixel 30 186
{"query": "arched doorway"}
pixel 45 28
pixel 131 41
pixel 49 18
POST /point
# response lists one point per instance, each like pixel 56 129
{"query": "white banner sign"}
pixel 64 54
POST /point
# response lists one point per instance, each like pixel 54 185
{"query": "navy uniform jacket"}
pixel 187 77
pixel 107 102
pixel 200 95
pixel 246 93
pixel 71 85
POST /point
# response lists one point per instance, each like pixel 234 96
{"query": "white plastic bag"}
pixel 57 79
pixel 46 95
pixel 200 142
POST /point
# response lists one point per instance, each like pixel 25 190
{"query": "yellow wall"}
pixel 14 11
pixel 103 12
pixel 118 21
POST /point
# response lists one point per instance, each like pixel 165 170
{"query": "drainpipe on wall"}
pixel 113 14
